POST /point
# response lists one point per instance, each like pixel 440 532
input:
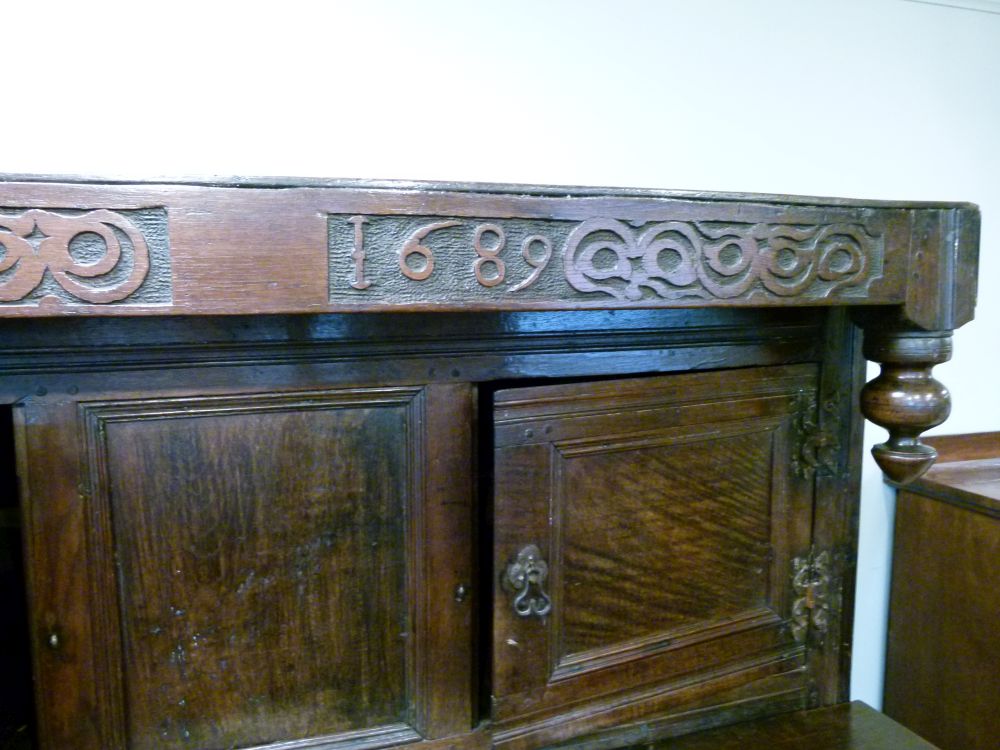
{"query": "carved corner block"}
pixel 942 267
pixel 905 398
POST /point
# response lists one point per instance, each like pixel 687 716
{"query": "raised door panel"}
pixel 259 567
pixel 641 532
pixel 261 578
pixel 666 511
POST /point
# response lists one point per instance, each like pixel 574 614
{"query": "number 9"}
pixel 540 264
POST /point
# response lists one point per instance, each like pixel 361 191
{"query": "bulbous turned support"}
pixel 905 398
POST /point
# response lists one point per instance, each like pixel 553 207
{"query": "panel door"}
pixel 644 531
pixel 254 568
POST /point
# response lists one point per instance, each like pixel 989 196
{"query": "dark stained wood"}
pixel 17 709
pixel 274 353
pixel 943 658
pixel 446 661
pixel 269 520
pixel 68 680
pixel 965 447
pixel 972 483
pixel 400 347
pixel 905 398
pixel 943 246
pixel 638 525
pixel 655 551
pixel 255 247
pixel 188 396
pixel 269 567
pixel 717 701
pixel 80 247
pixel 853 726
pixel 837 485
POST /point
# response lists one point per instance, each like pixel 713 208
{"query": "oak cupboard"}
pixel 360 465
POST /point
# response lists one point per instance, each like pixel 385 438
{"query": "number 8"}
pixel 489 254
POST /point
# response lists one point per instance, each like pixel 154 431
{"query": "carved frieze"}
pixel 434 259
pixel 84 257
pixel 675 259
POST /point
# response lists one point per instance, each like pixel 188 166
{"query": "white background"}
pixel 857 98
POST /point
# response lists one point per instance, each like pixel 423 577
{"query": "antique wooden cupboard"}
pixel 355 465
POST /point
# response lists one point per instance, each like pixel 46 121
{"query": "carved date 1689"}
pixel 634 262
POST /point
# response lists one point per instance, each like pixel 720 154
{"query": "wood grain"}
pixel 669 507
pixel 256 248
pixel 658 556
pixel 969 447
pixel 835 510
pixel 268 518
pixel 852 726
pixel 69 681
pixel 266 568
pixel 238 357
pixel 943 658
pixel 643 547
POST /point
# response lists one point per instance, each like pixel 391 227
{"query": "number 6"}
pixel 412 246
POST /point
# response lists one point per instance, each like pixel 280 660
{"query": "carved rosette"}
pixel 676 259
pixel 37 244
pixel 905 398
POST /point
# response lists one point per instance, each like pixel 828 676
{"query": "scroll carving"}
pixel 677 259
pixel 604 260
pixel 43 251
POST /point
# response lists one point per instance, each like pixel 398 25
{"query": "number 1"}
pixel 358 255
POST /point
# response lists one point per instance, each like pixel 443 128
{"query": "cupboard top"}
pixel 75 246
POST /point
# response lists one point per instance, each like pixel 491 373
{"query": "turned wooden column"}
pixel 905 398
pixel 907 340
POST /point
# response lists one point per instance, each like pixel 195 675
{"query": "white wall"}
pixel 858 98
